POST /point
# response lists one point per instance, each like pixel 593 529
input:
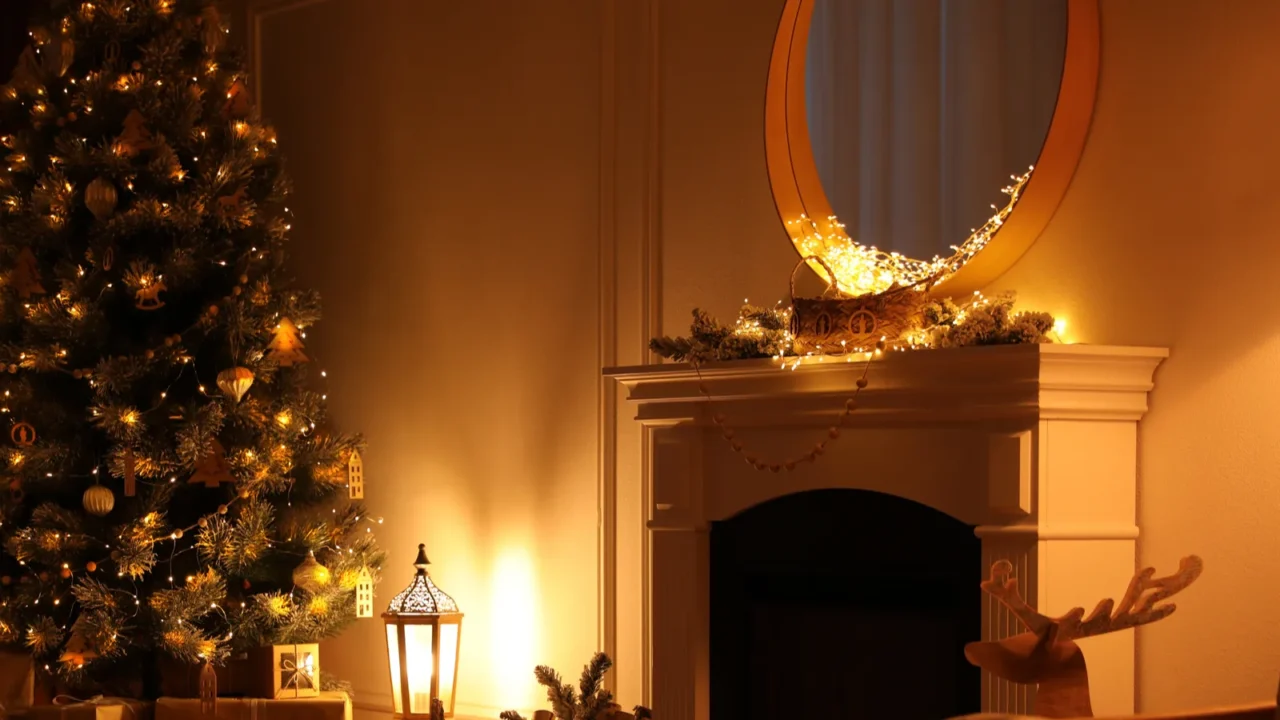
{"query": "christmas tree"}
pixel 173 493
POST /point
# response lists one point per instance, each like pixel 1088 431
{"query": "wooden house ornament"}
pixel 355 477
pixel 130 473
pixel 364 594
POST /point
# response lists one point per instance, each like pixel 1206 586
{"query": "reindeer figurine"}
pixel 1047 653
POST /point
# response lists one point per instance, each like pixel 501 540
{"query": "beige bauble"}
pixel 100 197
pixel 235 382
pixel 99 500
pixel 310 575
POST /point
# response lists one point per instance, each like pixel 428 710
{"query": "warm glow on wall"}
pixel 513 628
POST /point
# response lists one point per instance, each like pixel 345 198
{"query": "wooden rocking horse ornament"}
pixel 1048 656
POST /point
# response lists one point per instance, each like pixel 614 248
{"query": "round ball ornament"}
pixel 98 500
pixel 100 197
pixel 310 575
pixel 235 382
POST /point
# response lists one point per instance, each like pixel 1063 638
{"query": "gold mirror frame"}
pixel 793 174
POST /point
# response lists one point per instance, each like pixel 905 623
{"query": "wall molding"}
pixel 256 11
pixel 607 417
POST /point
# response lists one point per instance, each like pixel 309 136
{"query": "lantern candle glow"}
pixel 424 633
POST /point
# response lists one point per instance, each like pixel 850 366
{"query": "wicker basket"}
pixel 834 324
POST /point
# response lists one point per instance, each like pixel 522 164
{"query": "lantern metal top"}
pixel 422 597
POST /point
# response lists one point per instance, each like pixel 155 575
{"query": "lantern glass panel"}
pixel 417 658
pixel 393 654
pixel 448 661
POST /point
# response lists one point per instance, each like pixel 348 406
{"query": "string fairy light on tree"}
pixel 148 351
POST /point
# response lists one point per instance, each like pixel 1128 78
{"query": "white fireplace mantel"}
pixel 1034 445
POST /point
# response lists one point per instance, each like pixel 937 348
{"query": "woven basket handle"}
pixel 831 286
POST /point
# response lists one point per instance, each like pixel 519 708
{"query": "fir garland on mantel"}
pixel 761 333
pixel 765 332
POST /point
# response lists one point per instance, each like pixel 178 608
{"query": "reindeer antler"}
pixel 1137 607
pixel 1004 588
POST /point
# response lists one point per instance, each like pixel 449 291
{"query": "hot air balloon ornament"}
pixel 235 382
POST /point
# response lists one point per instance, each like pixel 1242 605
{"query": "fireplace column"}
pixel 1071 535
pixel 679 575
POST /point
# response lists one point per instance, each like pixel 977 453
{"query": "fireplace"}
pixel 754 582
pixel 838 603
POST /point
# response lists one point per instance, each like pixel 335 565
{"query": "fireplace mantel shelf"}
pixel 1047 381
pixel 1033 445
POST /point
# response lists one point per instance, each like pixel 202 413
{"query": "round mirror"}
pixel 901 135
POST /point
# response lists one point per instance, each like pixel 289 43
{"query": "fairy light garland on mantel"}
pixel 865 270
pixel 766 331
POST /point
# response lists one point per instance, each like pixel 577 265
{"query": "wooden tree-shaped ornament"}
pixel 77 652
pixel 1047 655
pixel 213 468
pixel 364 593
pixel 26 75
pixel 25 277
pixel 355 476
pixel 135 138
pixel 238 105
pixel 286 348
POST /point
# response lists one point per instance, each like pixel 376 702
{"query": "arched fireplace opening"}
pixel 843 604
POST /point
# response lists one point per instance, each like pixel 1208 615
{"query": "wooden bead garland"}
pixel 819 448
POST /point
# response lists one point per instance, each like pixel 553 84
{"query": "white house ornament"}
pixel 235 382
pixel 101 198
pixel 98 500
pixel 355 476
pixel 364 593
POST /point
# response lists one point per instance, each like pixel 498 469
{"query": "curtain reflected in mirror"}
pixel 919 111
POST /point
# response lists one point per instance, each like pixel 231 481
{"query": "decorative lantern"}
pixel 424 630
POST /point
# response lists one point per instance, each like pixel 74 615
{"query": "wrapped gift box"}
pixel 329 706
pixel 285 671
pixel 17 682
pixel 98 709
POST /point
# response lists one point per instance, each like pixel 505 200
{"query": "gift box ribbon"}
pixel 297 674
pixel 67 701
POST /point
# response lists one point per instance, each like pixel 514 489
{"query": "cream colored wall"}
pixel 501 163
pixel 445 159
pixel 1167 237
